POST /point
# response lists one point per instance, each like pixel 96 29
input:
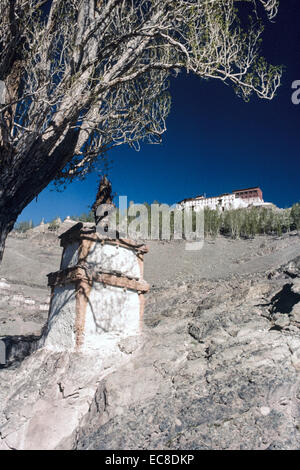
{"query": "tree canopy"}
pixel 79 77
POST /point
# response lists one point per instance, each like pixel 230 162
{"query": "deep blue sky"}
pixel 215 142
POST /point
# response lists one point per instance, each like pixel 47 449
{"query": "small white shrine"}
pixel 97 296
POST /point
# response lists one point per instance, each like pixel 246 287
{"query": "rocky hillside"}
pixel 219 369
pixel 217 366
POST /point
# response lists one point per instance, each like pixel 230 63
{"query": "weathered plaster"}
pixel 111 312
pixel 114 258
pixel 60 333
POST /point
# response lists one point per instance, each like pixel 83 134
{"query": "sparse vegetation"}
pixel 241 223
pixel 24 226
pixel 84 217
pixel 238 223
pixel 54 225
pixel 246 223
pixel 295 216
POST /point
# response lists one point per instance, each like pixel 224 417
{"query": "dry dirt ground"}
pixel 217 366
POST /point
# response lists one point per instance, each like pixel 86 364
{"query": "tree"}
pixel 295 216
pixel 84 217
pixel 78 77
pixel 24 226
pixel 54 224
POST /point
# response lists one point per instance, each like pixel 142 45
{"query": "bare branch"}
pixel 82 76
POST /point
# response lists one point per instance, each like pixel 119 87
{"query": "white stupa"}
pixel 97 296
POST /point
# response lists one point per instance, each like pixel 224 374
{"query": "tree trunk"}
pixel 20 185
pixel 6 226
